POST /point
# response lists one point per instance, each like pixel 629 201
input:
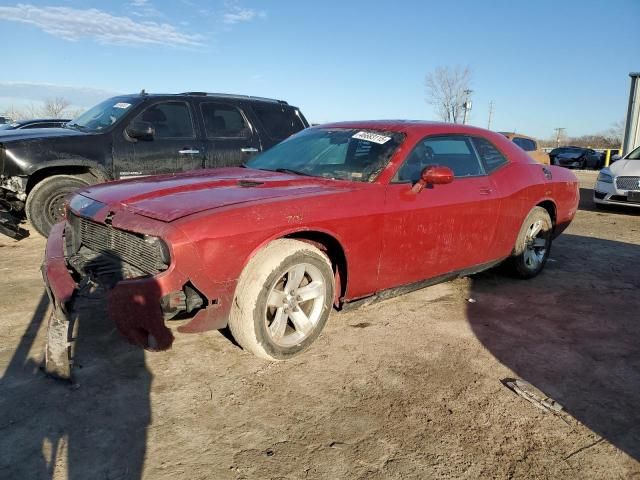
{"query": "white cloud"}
pixel 75 24
pixel 236 14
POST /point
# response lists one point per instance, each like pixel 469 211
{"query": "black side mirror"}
pixel 141 130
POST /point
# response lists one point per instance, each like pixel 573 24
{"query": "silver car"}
pixel 619 183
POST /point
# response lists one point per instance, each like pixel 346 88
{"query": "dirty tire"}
pixel 530 254
pixel 254 317
pixel 46 199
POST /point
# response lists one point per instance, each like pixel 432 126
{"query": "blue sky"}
pixel 544 64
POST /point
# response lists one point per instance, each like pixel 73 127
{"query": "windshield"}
pixel 103 115
pixel 635 155
pixel 345 154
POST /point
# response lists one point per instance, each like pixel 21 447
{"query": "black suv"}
pixel 129 136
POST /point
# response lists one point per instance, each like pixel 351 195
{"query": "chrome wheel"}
pixel 536 243
pixel 295 304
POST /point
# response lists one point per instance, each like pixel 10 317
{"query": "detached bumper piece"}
pixel 10 225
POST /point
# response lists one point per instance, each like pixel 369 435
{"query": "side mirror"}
pixel 141 131
pixel 433 175
pixel 616 157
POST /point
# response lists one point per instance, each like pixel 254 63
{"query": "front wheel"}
pixel 283 299
pixel 45 203
pixel 533 244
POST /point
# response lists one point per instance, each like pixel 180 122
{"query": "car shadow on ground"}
pixel 572 332
pixel 95 427
pixel 588 205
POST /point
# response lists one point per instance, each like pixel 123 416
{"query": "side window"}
pixel 170 120
pixel 280 121
pixel 489 154
pixel 455 152
pixel 223 121
pixel 526 144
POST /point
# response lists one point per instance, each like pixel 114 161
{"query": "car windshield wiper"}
pixel 74 126
pixel 295 172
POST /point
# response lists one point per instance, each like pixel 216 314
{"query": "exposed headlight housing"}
pixel 161 248
pixel 605 177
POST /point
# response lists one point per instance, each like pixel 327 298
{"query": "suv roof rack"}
pixel 231 95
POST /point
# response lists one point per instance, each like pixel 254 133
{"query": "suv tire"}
pixel 45 203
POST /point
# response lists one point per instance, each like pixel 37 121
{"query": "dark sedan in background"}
pixel 35 123
pixel 576 157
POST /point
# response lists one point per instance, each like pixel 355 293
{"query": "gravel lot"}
pixel 405 388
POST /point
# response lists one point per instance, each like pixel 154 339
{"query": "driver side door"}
pixel 443 229
pixel 175 146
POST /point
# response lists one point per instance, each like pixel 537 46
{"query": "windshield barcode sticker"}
pixel 372 137
pixel 122 105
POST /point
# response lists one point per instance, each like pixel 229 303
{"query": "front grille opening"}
pixel 628 183
pixel 105 251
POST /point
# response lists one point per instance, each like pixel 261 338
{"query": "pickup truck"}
pixel 132 136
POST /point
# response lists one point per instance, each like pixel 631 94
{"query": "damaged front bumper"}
pixel 140 308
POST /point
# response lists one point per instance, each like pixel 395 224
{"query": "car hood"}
pixel 625 167
pixel 38 133
pixel 170 197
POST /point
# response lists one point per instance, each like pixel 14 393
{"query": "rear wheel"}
pixel 283 299
pixel 533 244
pixel 45 203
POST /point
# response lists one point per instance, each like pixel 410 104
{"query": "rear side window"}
pixel 170 120
pixel 279 121
pixel 526 144
pixel 489 154
pixel 223 121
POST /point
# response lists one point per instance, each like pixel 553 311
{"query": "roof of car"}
pixel 232 96
pixel 422 126
pixel 511 135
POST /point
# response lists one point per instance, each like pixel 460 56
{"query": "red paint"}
pixel 390 235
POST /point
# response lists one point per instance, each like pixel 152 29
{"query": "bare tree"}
pixel 53 107
pixel 446 91
pixel 615 134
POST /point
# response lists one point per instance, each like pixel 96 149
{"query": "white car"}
pixel 619 183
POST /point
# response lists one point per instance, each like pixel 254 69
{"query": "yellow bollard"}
pixel 607 157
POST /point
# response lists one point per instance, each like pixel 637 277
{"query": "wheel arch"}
pixel 90 171
pixel 550 207
pixel 332 247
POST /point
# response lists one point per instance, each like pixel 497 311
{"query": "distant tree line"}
pixel 58 107
pixel 611 138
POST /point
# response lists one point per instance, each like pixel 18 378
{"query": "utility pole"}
pixel 490 114
pixel 559 132
pixel 466 105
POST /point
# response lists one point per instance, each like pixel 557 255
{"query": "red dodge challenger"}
pixel 335 214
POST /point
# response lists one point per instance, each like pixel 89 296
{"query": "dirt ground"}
pixel 405 388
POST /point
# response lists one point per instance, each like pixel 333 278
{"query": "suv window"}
pixel 455 152
pixel 526 144
pixel 278 120
pixel 223 121
pixel 489 154
pixel 170 120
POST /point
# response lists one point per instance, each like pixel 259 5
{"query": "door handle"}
pixel 189 151
pixel 485 191
pixel 248 150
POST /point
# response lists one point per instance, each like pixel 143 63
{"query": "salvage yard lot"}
pixel 405 388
